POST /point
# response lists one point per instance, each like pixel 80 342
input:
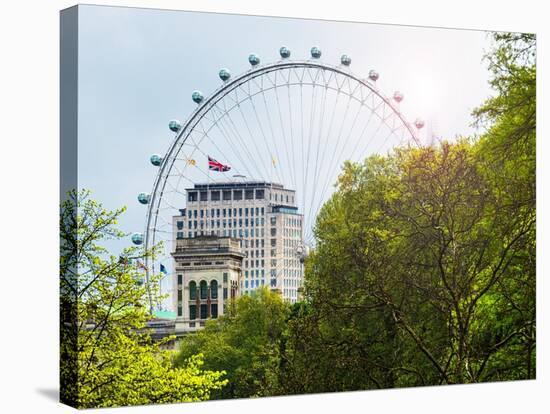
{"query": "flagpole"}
pixel 207 189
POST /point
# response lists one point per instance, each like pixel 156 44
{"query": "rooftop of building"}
pixel 237 185
pixel 209 244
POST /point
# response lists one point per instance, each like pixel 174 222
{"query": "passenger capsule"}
pixel 174 125
pixel 284 52
pixel 224 75
pixel 345 60
pixel 254 59
pixel 419 123
pixel 156 160
pixel 137 238
pixel 373 75
pixel 197 97
pixel 315 52
pixel 398 96
pixel 143 198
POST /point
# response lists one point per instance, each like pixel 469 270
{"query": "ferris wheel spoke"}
pixel 234 148
pixel 257 156
pixel 337 162
pixel 315 169
pixel 241 142
pixel 308 151
pixel 372 138
pixel 284 125
pixel 289 166
pixel 223 123
pixel 273 136
pixel 266 142
pixel 253 139
pixel 218 149
pixel 292 138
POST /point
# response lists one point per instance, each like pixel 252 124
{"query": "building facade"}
pixel 208 271
pixel 264 218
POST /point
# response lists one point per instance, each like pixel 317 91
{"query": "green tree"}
pixel 107 357
pixel 507 154
pixel 244 343
pixel 424 269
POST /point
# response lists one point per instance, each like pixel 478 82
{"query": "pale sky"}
pixel 138 68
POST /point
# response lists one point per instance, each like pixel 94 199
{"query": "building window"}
pixel 192 196
pixel 214 289
pixel 192 290
pixel 225 277
pixel 180 225
pixel 215 196
pixel 180 311
pixel 204 289
pixel 226 195
pixel 204 196
pixel 180 297
pixel 225 293
pixel 273 231
pixel 180 281
pixel 248 194
pixel 204 311
pixel 214 310
pixel 237 194
pixel 192 312
pixel 179 235
pixel 273 220
pixel 260 194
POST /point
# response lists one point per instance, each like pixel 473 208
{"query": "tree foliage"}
pixel 245 342
pixel 424 267
pixel 424 272
pixel 107 358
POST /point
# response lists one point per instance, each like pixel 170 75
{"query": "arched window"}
pixel 214 289
pixel 192 290
pixel 204 289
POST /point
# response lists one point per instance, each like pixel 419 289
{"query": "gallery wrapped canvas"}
pixel 264 206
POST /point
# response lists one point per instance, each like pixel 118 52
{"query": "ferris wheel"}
pixel 292 122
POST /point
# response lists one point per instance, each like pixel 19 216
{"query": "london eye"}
pixel 291 121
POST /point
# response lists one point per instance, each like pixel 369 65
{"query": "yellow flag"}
pixel 191 161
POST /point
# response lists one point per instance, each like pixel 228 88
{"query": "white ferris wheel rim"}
pixel 207 105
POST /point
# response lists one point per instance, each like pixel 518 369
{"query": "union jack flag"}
pixel 216 165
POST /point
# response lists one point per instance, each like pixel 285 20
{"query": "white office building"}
pixel 263 217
